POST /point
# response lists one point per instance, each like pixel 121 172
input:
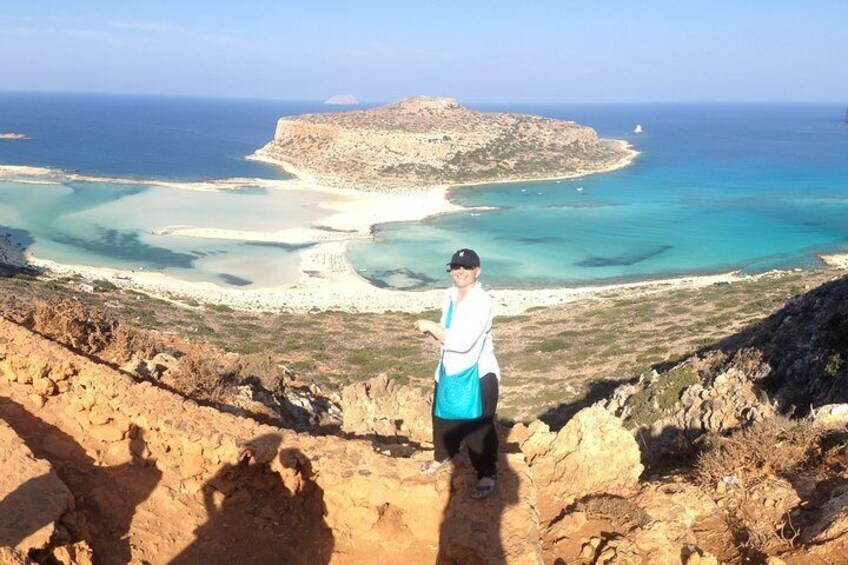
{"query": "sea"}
pixel 715 188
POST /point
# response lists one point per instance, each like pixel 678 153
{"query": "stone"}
pixel 108 433
pixel 191 465
pixel 831 416
pixel 702 559
pixel 10 556
pixel 383 407
pixel 100 414
pixel 832 523
pixel 591 454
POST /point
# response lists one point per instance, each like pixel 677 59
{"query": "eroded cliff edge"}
pixel 421 142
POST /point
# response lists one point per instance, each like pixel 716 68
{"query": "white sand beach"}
pixel 838 260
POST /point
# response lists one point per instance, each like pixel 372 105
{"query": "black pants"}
pixel 479 435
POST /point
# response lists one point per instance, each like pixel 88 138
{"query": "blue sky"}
pixel 492 51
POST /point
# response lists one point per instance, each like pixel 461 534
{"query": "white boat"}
pixel 638 128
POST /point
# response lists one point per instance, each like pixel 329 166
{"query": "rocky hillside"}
pixel 696 463
pixel 422 141
pixel 791 364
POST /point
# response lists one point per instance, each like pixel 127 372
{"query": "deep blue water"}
pixel 175 138
pixel 716 187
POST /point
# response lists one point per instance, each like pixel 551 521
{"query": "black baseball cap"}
pixel 466 258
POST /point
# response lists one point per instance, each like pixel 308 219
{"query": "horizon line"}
pixel 379 102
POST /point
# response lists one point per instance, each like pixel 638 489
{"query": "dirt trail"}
pixel 108 496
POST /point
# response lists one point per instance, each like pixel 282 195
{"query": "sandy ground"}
pixel 839 260
pixel 327 280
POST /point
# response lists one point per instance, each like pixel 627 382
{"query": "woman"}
pixel 465 332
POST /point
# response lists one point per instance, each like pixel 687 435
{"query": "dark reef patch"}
pixel 234 280
pixel 419 280
pixel 127 246
pixel 622 260
pixel 280 245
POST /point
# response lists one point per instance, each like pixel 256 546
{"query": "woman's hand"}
pixel 425 326
pixel 429 327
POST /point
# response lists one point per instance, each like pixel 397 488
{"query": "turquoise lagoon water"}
pixel 114 225
pixel 716 187
pixel 111 224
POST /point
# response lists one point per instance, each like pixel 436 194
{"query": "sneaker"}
pixel 483 488
pixel 430 468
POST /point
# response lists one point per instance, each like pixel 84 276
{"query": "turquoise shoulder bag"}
pixel 458 396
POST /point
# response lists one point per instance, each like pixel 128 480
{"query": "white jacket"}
pixel 470 335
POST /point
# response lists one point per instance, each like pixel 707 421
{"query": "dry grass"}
pixel 197 376
pixel 550 357
pixel 86 329
pixel 756 467
pixel 776 447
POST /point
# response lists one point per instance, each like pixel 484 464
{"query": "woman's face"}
pixel 463 277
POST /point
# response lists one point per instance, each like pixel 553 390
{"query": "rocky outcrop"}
pixel 9 556
pixel 670 411
pixel 833 416
pixel 794 363
pixel 384 408
pixel 592 454
pixel 422 142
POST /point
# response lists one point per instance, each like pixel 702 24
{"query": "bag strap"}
pixel 449 316
pixel 448 320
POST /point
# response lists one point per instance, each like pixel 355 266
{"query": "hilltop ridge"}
pixel 423 141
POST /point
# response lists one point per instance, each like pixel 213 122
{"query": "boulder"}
pixel 9 556
pixel 831 416
pixel 592 454
pixel 832 523
pixel 388 409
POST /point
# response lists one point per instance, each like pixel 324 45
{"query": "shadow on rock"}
pixel 108 496
pixel 265 509
pixel 41 490
pixel 471 530
pixel 557 417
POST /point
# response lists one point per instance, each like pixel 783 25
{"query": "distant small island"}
pixel 13 136
pixel 422 142
pixel 342 100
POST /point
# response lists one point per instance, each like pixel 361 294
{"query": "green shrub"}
pixel 103 284
pixel 547 346
pixel 834 364
pixel 660 397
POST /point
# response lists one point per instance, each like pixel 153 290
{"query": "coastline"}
pixel 327 280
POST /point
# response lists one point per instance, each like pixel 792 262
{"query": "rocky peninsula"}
pixel 423 142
